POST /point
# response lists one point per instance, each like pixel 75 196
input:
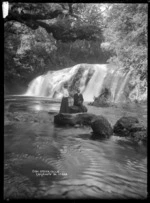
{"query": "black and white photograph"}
pixel 75 100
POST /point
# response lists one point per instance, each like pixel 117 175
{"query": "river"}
pixel 45 161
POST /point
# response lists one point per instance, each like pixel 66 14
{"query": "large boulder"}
pixel 65 119
pixel 85 118
pixel 124 125
pixel 101 127
pixel 131 127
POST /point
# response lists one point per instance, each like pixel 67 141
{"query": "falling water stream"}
pixel 90 78
pixel 42 160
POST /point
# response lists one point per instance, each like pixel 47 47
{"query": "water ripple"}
pixel 113 168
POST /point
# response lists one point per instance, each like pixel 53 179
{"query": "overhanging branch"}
pixel 63 31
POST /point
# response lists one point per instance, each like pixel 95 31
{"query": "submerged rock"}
pixel 101 127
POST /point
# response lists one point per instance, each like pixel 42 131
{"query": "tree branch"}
pixel 68 34
pixel 61 30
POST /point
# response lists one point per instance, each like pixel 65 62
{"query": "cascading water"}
pixel 95 84
pixel 35 87
pixel 122 87
pixel 90 78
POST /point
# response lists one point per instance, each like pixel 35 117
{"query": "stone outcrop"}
pixel 130 127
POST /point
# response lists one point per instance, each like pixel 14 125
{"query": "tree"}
pixel 50 36
pixel 55 35
pixel 126 34
pixel 64 20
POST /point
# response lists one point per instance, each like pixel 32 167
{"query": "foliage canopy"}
pixel 126 33
pixel 49 36
pixel 66 21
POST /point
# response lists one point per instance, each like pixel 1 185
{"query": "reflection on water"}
pixel 45 161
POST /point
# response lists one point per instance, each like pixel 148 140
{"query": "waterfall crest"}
pixel 90 78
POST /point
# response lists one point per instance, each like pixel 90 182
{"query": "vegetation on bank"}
pixel 47 36
pixel 126 33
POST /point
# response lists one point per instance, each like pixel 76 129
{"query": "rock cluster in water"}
pixel 99 124
pixel 124 127
pixel 129 127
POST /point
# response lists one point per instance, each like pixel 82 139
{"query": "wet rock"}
pixel 99 124
pixel 103 100
pixel 130 127
pixel 85 118
pixel 65 119
pixel 124 125
pixel 140 136
pixel 137 127
pixel 101 127
pixel 73 119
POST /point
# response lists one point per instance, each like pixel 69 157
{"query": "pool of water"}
pixel 42 160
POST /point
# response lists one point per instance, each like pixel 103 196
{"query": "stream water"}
pixel 42 160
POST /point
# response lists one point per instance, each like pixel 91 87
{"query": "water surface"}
pixel 42 160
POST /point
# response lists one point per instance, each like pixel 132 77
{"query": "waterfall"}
pixel 95 84
pixel 35 87
pixel 122 87
pixel 90 78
